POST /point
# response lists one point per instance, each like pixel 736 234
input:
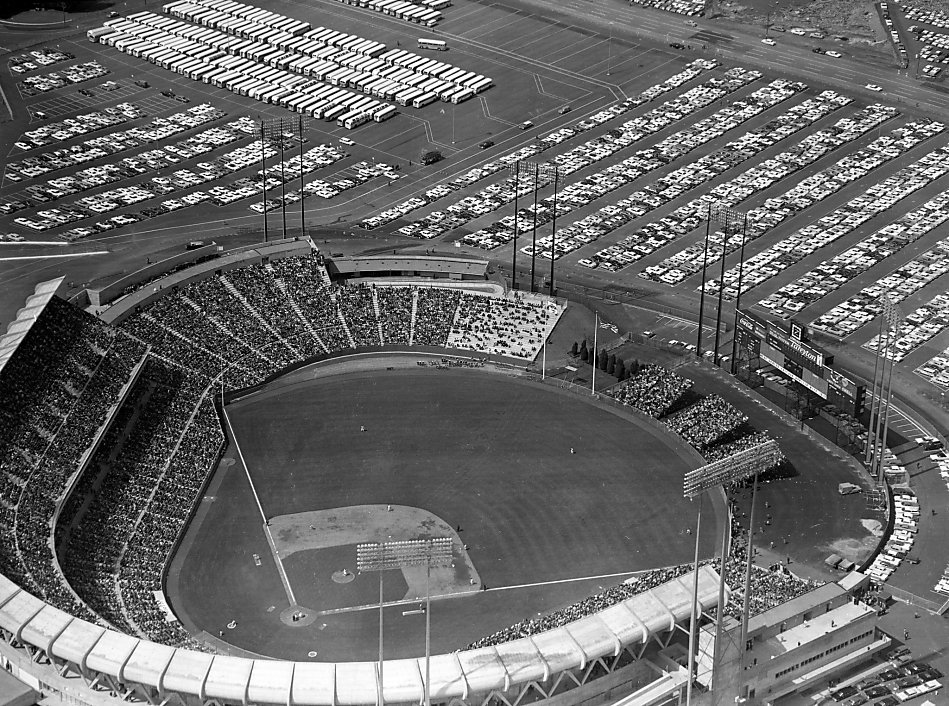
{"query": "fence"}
pixel 916 601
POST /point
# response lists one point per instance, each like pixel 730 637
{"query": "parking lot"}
pixel 843 192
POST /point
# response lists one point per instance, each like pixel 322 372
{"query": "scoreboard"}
pixel 786 347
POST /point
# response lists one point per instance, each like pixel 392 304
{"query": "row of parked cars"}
pixel 349 178
pixel 82 124
pixel 612 216
pixel 870 251
pixel 649 237
pixel 692 8
pixel 317 157
pixel 31 85
pixel 935 49
pixel 688 73
pixel 142 163
pixel 936 370
pixel 590 152
pixel 925 323
pixel 901 539
pixel 864 306
pixel 24 63
pixel 899 682
pixel 114 199
pixel 113 143
pixel 874 200
pixel 581 193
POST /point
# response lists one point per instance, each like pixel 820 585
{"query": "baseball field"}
pixel 325 461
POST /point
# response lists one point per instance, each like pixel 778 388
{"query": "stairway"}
pixel 282 286
pixel 217 323
pixel 375 306
pixel 342 320
pixel 229 286
pixel 324 275
pixel 414 312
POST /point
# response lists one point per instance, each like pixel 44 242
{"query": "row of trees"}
pixel 607 362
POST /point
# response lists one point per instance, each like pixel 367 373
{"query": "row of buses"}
pixel 248 78
pixel 424 13
pixel 282 61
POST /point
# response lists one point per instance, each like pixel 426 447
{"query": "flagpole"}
pixel 596 327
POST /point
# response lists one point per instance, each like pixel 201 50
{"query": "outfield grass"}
pixel 488 452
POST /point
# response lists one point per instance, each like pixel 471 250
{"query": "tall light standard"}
pixel 386 556
pixel 553 230
pixel 535 170
pixel 894 317
pixel 734 469
pixel 725 216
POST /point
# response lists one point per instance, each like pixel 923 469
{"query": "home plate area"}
pixel 317 550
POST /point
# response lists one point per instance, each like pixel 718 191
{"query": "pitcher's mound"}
pixel 343 576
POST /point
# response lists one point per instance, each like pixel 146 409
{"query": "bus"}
pixel 353 119
pixel 384 113
pixel 406 96
pixel 423 99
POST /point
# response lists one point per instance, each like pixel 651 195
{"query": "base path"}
pixel 323 529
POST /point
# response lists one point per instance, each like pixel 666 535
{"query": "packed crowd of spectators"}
pixel 396 305
pixel 178 488
pixel 653 390
pixel 304 281
pixel 434 313
pixel 706 421
pixel 119 483
pixel 358 307
pixel 258 287
pixel 716 452
pixel 59 388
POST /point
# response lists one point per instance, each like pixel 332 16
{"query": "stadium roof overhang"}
pixel 161 669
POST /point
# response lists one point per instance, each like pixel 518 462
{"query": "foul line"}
pixel 413 601
pixel 273 548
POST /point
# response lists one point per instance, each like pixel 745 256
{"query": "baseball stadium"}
pixel 269 462
pixel 472 353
